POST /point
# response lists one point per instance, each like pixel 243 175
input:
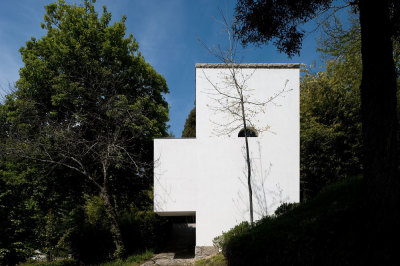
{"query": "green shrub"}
pixel 330 229
pixel 143 230
pixel 91 240
pixel 222 240
pixel 14 252
pixel 217 260
pixel 138 258
pixel 91 243
pixel 60 262
pixel 131 260
pixel 285 208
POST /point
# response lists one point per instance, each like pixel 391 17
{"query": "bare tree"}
pixel 233 97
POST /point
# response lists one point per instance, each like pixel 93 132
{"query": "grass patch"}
pixel 133 260
pixel 217 260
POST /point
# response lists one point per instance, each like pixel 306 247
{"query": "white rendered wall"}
pixel 264 84
pixel 207 175
pixel 175 191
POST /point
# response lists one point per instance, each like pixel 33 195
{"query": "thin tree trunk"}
pixel 248 163
pixel 249 181
pixel 379 122
pixel 115 229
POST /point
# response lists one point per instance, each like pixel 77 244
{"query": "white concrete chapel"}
pixel 206 176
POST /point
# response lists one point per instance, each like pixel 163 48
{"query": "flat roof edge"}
pixel 249 65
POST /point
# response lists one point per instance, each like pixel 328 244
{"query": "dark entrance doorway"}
pixel 182 239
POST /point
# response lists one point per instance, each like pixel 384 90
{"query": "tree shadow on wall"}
pixel 160 199
pixel 266 196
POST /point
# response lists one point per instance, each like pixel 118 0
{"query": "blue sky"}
pixel 167 33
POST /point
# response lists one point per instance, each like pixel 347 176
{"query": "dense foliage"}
pixel 222 241
pixel 59 262
pixel 275 20
pixel 189 130
pixel 331 135
pixel 281 21
pixel 76 142
pixel 327 230
pixel 331 140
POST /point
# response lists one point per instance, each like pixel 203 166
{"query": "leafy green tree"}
pixel 88 103
pixel 28 192
pixel 16 223
pixel 189 130
pixel 23 196
pixel 331 148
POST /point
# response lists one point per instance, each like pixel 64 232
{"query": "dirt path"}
pixel 168 259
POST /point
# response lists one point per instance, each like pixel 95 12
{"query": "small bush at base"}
pixel 331 229
pixel 61 262
pixel 132 260
pixel 217 260
pixel 222 240
pixel 285 208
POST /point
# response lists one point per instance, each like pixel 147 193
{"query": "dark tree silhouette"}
pixel 263 21
pixel 189 130
pixel 277 21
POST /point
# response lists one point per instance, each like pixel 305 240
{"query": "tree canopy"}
pixel 330 117
pixel 189 130
pixel 276 20
pixel 86 107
